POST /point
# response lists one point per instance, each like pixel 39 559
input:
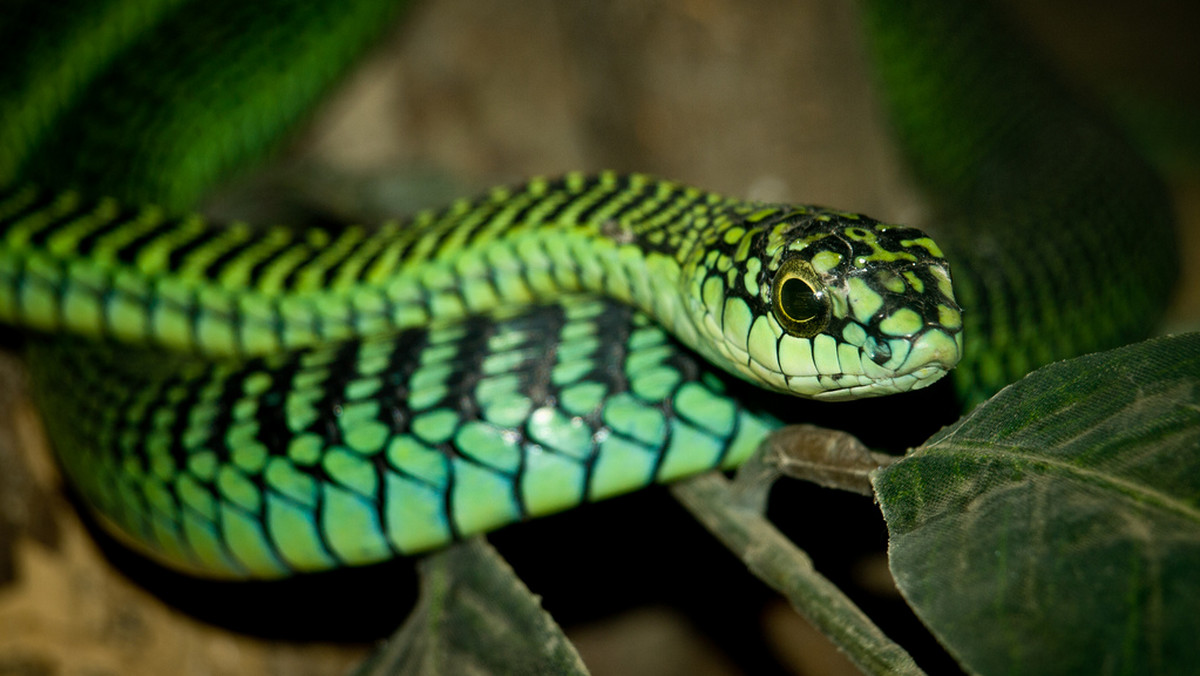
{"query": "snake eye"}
pixel 799 301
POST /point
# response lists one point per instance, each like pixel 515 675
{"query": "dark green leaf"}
pixel 1056 528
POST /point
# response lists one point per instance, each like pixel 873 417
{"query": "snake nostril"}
pixel 878 352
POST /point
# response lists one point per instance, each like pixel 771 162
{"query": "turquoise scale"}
pixel 356 452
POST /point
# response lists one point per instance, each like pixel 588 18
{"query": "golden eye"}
pixel 798 299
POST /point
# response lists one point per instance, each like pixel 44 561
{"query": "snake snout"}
pixel 936 351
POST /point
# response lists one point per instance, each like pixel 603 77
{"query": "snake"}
pixel 256 402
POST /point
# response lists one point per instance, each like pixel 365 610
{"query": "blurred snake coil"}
pixel 257 402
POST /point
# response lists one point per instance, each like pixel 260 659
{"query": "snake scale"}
pixel 256 402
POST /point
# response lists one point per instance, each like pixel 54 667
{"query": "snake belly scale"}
pixel 270 419
pixel 360 451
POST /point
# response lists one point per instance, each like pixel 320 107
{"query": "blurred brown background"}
pixel 766 99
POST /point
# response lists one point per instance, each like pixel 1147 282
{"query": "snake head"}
pixel 829 305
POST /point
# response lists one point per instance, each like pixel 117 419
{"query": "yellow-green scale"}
pixel 214 297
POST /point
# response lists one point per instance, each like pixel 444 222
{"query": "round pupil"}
pixel 798 301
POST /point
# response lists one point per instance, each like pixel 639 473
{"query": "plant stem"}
pixel 775 560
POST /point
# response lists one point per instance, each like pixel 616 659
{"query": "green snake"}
pixel 257 402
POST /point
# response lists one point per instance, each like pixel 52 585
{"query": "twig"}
pixel 736 519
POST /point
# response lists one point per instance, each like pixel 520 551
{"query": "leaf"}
pixel 1056 528
pixel 474 616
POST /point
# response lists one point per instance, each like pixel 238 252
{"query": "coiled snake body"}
pixel 244 402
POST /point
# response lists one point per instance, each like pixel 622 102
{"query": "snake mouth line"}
pixel 923 360
pixel 906 382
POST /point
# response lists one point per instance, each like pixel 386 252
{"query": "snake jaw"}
pixel 911 363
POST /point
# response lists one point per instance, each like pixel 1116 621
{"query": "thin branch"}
pixel 735 517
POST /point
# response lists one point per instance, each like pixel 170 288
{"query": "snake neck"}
pixel 96 268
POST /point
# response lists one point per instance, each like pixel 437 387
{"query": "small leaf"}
pixel 474 616
pixel 1056 528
